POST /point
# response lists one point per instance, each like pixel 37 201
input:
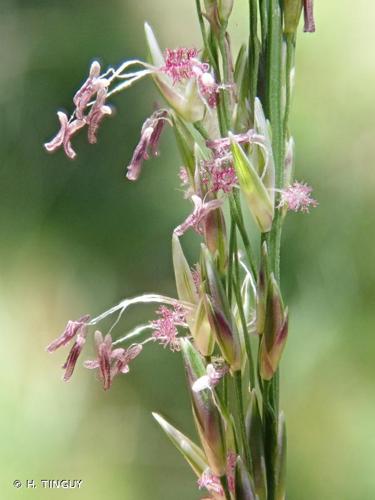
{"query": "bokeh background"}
pixel 76 238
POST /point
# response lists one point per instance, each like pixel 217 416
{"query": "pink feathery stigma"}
pixel 71 330
pixel 211 482
pixel 308 10
pixel 63 137
pixel 165 328
pixel 88 90
pixel 96 115
pixel 196 218
pixel 296 197
pixel 219 174
pixel 231 471
pixel 180 63
pixel 150 136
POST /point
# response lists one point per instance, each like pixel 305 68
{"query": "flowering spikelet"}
pixel 165 328
pixel 64 135
pixel 296 197
pixel 71 330
pixel 88 89
pixel 109 361
pixel 211 482
pixel 96 115
pixel 197 217
pixel 150 136
pixel 180 63
pixel 122 358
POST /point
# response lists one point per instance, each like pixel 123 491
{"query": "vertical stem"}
pixel 224 485
pixel 254 50
pixel 290 52
pixel 231 257
pixel 263 20
pixel 206 42
pixel 237 291
pixel 241 413
pixel 274 109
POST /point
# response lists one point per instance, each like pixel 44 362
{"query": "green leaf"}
pixel 191 452
pixel 257 196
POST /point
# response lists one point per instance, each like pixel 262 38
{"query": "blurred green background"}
pixel 76 238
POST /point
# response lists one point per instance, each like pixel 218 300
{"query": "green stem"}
pixel 236 214
pixel 231 257
pixel 206 42
pixel 275 114
pixel 241 414
pixel 237 292
pixel 200 128
pixel 263 20
pixel 224 96
pixel 274 108
pixel 254 50
pixel 224 484
pixel 290 40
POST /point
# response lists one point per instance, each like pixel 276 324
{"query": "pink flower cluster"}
pixel 165 328
pixel 180 63
pixel 111 362
pixel 94 86
pixel 183 64
pixel 219 174
pixel 297 197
